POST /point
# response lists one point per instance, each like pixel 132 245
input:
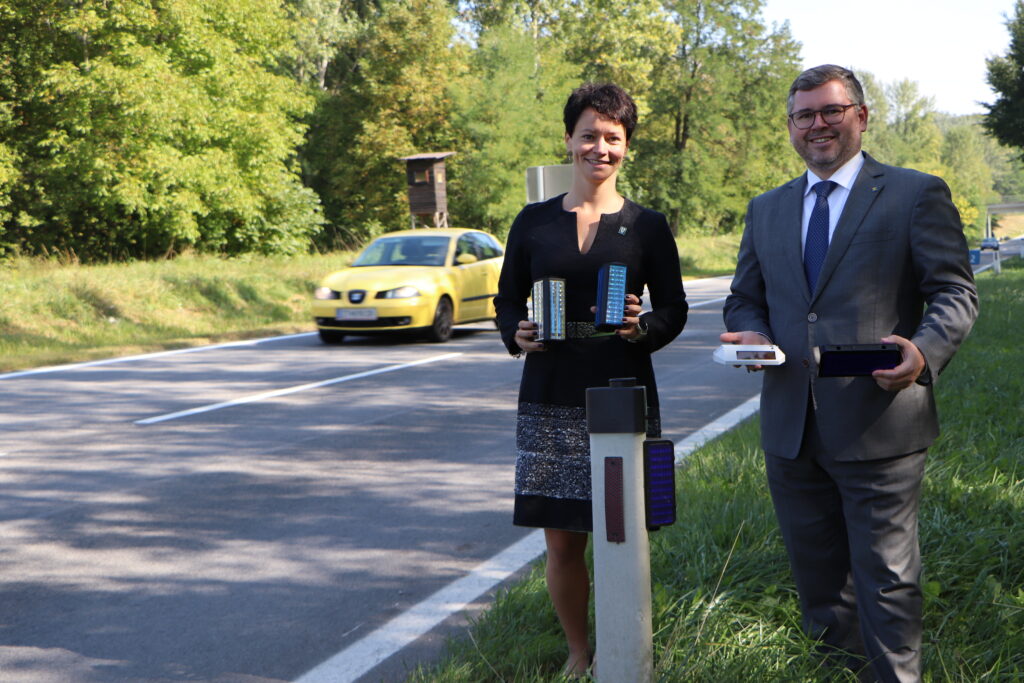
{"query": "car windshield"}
pixel 407 250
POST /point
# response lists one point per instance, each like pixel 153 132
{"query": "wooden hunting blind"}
pixel 428 194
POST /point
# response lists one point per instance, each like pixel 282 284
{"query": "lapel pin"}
pixel 622 229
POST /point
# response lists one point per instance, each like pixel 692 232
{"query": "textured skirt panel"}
pixel 552 451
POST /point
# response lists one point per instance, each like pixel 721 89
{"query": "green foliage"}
pixel 1005 119
pixel 320 26
pixel 147 128
pixel 969 175
pixel 507 115
pixel 901 127
pixel 55 313
pixel 715 134
pixel 905 130
pixel 8 171
pixel 385 98
pixel 622 41
pixel 1007 169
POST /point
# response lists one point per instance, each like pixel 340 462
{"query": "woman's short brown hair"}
pixel 607 99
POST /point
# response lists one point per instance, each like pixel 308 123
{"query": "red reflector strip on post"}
pixel 613 508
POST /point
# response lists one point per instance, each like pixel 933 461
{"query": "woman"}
pixel 571 237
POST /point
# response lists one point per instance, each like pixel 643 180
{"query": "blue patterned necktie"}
pixel 816 245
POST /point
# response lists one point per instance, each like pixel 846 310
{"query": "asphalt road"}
pixel 244 512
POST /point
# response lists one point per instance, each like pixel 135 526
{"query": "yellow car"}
pixel 423 280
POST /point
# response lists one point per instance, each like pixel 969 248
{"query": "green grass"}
pixel 724 606
pixel 57 313
pixel 707 255
pixel 52 313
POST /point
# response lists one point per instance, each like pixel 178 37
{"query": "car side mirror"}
pixel 466 259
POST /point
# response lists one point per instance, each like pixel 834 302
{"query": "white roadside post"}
pixel 616 420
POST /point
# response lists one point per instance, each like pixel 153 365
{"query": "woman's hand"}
pixel 526 336
pixel 631 319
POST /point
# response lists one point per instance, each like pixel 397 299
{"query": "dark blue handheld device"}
pixel 611 296
pixel 659 483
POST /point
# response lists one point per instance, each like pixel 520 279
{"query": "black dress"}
pixel 552 487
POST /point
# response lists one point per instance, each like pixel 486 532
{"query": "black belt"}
pixel 583 330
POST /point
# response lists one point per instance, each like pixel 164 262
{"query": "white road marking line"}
pixel 363 655
pixel 147 356
pixel 291 390
pixel 708 302
pixel 716 428
pixel 366 653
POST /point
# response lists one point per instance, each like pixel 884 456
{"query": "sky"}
pixel 940 44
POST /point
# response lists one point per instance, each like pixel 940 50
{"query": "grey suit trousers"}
pixel 850 530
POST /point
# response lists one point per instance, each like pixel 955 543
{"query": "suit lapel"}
pixel 791 211
pixel 866 188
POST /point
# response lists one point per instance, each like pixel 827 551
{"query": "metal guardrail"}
pixel 999 256
pixel 1015 207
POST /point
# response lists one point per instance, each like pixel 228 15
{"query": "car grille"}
pixel 395 321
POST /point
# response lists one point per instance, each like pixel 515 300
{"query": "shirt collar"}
pixel 844 177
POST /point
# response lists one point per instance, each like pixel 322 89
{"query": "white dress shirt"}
pixel 844 179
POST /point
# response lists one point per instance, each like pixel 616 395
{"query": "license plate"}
pixel 356 314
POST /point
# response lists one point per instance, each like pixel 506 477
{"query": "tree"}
pixel 507 115
pixel 905 130
pixel 902 129
pixel 386 98
pixel 537 18
pixel 968 172
pixel 715 135
pixel 321 26
pixel 622 41
pixel 1005 119
pixel 9 174
pixel 149 127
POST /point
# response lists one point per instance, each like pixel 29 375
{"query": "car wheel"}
pixel 444 317
pixel 331 336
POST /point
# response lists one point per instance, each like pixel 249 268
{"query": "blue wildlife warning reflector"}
pixel 660 482
pixel 611 297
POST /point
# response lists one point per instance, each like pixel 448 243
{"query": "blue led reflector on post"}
pixel 611 296
pixel 660 482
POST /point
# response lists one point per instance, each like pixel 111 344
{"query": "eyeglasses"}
pixel 831 115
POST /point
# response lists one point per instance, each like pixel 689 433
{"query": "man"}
pixel 875 255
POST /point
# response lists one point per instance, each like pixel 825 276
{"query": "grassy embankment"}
pixel 724 605
pixel 52 313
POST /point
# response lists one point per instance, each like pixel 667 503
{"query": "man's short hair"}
pixel 819 76
pixel 607 99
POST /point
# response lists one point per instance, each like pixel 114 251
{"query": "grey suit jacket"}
pixel 897 264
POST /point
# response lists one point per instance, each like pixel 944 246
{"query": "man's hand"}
pixel 907 372
pixel 746 338
pixel 526 336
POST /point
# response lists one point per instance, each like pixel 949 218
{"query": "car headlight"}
pixel 406 292
pixel 325 293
